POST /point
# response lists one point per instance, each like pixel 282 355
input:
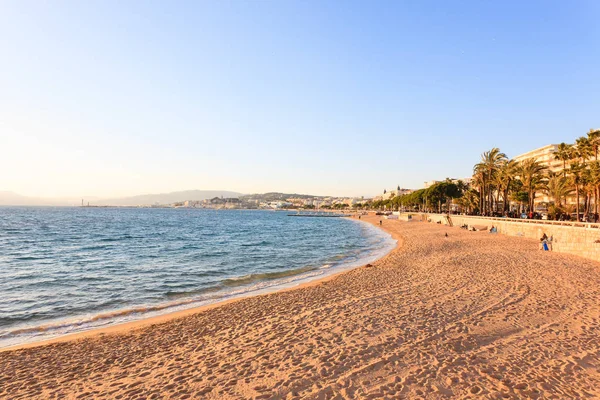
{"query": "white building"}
pixel 430 183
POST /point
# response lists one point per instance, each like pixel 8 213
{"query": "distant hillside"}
pixel 166 198
pixel 14 199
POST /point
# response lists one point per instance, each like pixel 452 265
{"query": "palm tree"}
pixel 469 201
pixel 564 153
pixel 595 179
pixel 479 182
pixel 503 181
pixel 576 175
pixel 557 188
pixel 588 187
pixel 531 173
pixel 490 162
pixel 583 149
pixel 593 137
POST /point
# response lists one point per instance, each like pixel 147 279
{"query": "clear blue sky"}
pixel 110 98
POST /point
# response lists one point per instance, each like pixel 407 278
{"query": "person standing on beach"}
pixel 380 222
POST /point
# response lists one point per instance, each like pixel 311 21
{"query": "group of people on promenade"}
pixel 591 217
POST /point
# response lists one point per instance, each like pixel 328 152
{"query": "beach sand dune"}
pixel 473 315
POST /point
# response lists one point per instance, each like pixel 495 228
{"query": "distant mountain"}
pixel 14 199
pixel 166 198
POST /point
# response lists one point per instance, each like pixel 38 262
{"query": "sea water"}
pixel 66 270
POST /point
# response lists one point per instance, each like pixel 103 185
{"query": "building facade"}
pixel 546 157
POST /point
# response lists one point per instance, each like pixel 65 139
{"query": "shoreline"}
pixel 125 327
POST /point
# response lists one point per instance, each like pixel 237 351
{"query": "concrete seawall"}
pixel 567 237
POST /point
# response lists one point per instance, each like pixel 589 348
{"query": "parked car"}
pixel 523 215
pixel 574 216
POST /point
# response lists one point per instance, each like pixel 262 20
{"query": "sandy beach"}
pixel 471 315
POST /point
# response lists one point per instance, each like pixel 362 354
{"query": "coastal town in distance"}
pixel 549 189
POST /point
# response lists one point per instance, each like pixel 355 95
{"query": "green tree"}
pixel 520 196
pixel 414 200
pixel 442 193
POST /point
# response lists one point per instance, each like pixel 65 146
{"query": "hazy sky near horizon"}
pixel 110 98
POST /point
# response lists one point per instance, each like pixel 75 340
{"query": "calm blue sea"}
pixel 66 270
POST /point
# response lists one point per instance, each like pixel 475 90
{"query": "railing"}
pixel 526 221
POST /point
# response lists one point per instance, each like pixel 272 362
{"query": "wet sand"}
pixel 474 315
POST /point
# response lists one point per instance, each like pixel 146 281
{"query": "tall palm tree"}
pixel 576 175
pixel 478 182
pixel 583 149
pixel 587 185
pixel 490 163
pixel 531 173
pixel 594 140
pixel 593 137
pixel 595 179
pixel 505 176
pixel 563 153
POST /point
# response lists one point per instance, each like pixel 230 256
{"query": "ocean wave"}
pixel 216 254
pixel 95 247
pixel 106 316
pixel 265 276
pixel 188 293
pixel 255 244
pixel 118 239
pixel 29 258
